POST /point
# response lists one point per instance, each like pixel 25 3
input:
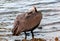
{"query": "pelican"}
pixel 27 22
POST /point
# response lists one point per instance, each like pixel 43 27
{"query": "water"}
pixel 9 9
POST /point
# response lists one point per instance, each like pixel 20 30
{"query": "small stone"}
pixel 24 40
pixel 17 40
pixel 39 39
pixel 56 39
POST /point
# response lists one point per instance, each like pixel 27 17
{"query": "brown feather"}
pixel 27 21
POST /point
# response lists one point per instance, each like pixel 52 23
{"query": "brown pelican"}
pixel 27 22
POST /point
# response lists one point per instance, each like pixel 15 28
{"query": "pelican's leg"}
pixel 25 35
pixel 32 34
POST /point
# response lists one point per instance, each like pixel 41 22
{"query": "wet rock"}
pixel 25 40
pixel 17 40
pixel 56 39
pixel 39 39
pixel 35 39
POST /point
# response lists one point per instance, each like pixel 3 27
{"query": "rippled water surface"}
pixel 50 9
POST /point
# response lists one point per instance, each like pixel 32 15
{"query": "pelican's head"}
pixel 33 9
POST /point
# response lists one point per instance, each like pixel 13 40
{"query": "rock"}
pixel 17 40
pixel 39 39
pixel 56 39
pixel 35 39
